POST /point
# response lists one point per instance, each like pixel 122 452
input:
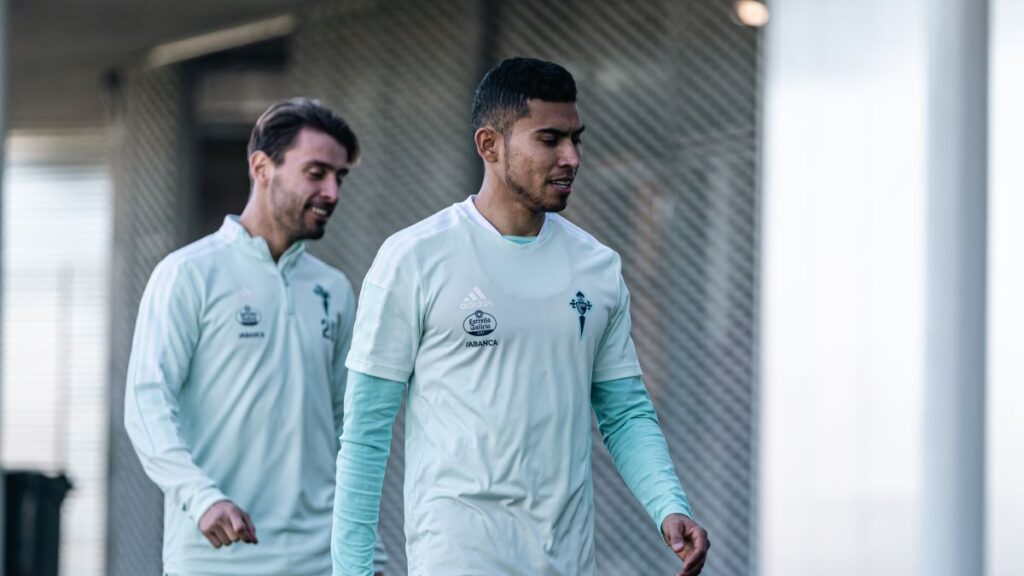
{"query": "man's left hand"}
pixel 688 540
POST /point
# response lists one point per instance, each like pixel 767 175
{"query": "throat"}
pixel 510 218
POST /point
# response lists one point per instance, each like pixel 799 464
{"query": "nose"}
pixel 331 190
pixel 571 156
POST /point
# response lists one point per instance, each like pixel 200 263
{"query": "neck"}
pixel 505 212
pixel 258 224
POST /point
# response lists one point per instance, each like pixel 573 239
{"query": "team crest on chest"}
pixel 249 317
pixel 329 327
pixel 581 305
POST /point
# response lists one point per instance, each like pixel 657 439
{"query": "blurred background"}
pixel 818 204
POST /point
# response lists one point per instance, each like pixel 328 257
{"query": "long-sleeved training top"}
pixel 235 390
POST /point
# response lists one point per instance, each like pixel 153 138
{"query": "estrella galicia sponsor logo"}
pixel 248 316
pixel 329 327
pixel 581 305
pixel 479 323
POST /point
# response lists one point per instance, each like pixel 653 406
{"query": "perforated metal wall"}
pixel 147 210
pixel 669 94
pixel 403 74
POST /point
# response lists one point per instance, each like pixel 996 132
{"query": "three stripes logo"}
pixel 475 299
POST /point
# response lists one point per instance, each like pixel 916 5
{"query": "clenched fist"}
pixel 224 523
pixel 688 540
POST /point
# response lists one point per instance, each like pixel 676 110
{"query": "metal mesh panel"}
pixel 668 91
pixel 405 82
pixel 146 211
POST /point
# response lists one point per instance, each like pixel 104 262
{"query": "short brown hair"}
pixel 275 130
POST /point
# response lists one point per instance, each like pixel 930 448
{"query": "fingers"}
pixel 217 536
pixel 251 528
pixel 694 564
pixel 689 542
pixel 214 540
pixel 696 553
pixel 224 523
pixel 235 526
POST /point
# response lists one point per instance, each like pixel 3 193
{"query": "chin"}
pixel 557 204
pixel 314 233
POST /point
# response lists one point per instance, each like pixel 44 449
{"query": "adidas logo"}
pixel 475 299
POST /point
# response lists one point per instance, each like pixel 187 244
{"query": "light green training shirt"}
pixel 235 390
pixel 500 343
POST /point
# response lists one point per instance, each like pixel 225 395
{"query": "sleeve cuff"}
pixel 378 370
pixel 380 557
pixel 201 501
pixel 616 373
pixel 675 507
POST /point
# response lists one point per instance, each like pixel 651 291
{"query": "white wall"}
pixel 56 251
pixel 1006 293
pixel 844 287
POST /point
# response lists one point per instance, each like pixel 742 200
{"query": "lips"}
pixel 562 184
pixel 320 212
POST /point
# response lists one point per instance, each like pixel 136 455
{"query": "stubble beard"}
pixel 534 201
pixel 288 212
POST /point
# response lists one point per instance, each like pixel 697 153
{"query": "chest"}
pixel 546 300
pixel 249 309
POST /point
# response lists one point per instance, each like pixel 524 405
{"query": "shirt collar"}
pixel 468 207
pixel 234 233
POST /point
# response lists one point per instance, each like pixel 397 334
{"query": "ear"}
pixel 489 143
pixel 261 168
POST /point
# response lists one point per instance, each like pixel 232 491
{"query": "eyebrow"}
pixel 561 133
pixel 326 166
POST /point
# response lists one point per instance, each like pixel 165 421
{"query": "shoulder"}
pixel 583 243
pixel 197 255
pixel 326 273
pixel 406 240
pixel 403 248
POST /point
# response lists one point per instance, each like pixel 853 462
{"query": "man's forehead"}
pixel 312 145
pixel 563 116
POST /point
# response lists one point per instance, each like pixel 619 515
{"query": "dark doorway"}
pixel 223 176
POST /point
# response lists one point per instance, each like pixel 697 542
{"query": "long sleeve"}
pixel 339 373
pixel 371 405
pixel 629 427
pixel 166 333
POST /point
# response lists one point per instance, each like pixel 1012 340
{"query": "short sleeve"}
pixel 388 325
pixel 616 354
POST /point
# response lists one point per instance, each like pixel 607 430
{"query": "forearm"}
pixel 371 405
pixel 629 426
pixel 166 333
pixel 151 426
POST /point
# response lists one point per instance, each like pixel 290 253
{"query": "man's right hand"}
pixel 224 523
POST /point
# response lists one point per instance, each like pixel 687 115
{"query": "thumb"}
pixel 675 539
pixel 674 534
